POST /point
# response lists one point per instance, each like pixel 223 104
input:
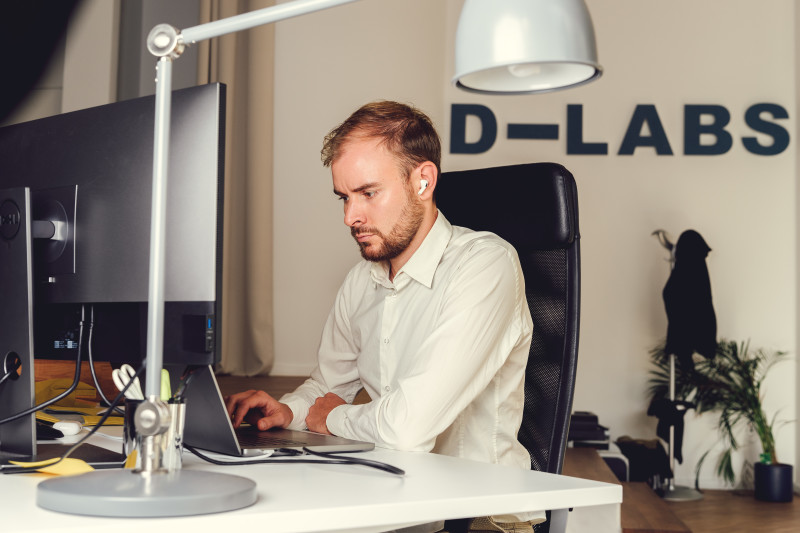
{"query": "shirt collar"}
pixel 422 265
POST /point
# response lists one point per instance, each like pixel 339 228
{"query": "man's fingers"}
pixel 233 400
pixel 241 404
pixel 239 414
pixel 281 416
pixel 268 422
pixel 257 408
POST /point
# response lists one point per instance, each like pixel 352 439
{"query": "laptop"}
pixel 208 427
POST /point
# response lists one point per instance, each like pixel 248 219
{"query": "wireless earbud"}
pixel 423 184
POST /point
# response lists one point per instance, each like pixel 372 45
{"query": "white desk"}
pixel 306 498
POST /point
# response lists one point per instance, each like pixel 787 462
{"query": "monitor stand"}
pixel 17 438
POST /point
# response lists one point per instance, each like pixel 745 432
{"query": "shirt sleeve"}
pixel 336 369
pixel 478 326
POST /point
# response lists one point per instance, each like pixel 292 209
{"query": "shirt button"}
pixel 387 388
pixel 386 341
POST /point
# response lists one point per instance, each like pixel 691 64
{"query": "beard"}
pixel 400 236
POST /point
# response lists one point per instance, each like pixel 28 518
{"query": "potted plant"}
pixel 731 384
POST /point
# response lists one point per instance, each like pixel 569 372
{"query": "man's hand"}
pixel 258 408
pixel 318 414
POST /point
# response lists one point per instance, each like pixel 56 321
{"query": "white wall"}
pixel 666 54
pixel 91 54
pixel 743 204
pixel 797 256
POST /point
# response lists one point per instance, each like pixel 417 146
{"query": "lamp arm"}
pixel 259 17
pixel 167 43
pixel 165 40
pixel 155 294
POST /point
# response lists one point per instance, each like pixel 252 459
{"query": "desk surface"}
pixel 304 498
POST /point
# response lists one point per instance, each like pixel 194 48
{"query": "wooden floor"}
pixel 718 511
pixel 729 511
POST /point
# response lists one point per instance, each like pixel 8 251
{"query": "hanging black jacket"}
pixel 692 323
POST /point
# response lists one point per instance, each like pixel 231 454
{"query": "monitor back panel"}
pixel 93 169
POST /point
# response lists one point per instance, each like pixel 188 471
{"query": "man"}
pixel 433 324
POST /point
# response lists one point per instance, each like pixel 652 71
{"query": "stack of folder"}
pixel 586 432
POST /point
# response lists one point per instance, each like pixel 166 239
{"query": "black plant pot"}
pixel 773 482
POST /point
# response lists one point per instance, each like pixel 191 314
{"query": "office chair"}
pixel 535 208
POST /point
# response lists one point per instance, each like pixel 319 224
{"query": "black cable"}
pixel 91 361
pixel 10 372
pixel 61 396
pixel 23 469
pixel 332 460
pixel 358 461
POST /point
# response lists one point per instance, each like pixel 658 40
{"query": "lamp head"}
pixel 524 46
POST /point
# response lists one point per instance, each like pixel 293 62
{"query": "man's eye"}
pixel 369 194
pixel 342 198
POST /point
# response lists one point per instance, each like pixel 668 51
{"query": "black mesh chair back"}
pixel 535 208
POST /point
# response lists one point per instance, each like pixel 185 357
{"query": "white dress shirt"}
pixel 441 350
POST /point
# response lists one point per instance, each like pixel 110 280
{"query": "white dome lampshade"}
pixel 524 46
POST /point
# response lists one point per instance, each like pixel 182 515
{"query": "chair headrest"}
pixel 532 206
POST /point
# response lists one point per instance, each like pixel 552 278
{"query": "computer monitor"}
pixel 75 202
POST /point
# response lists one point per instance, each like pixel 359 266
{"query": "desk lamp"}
pixel 530 46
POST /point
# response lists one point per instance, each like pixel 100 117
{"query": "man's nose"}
pixel 353 214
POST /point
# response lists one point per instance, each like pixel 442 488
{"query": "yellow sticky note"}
pixel 35 463
pixel 67 467
pixel 130 462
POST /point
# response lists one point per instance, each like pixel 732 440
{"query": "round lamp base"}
pixel 124 493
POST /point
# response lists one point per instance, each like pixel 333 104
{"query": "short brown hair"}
pixel 407 133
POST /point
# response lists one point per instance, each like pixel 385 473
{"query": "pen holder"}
pixel 167 448
pixel 171 441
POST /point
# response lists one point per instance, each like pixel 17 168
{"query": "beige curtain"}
pixel 244 62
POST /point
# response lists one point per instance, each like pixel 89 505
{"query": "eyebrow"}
pixel 362 188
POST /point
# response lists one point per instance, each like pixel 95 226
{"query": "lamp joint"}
pixel 165 40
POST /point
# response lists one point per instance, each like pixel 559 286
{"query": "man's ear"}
pixel 427 176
